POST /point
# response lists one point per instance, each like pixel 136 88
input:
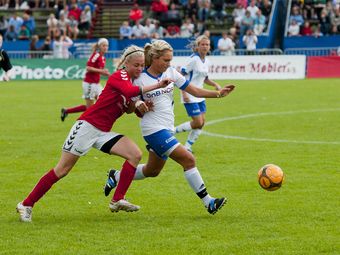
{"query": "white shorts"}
pixel 83 136
pixel 91 90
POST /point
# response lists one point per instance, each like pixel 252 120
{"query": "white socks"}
pixel 192 137
pixel 196 182
pixel 183 127
pixel 138 174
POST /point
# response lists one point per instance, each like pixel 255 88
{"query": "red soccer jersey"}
pixel 97 61
pixel 112 102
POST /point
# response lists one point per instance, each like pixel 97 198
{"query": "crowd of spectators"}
pixel 187 18
pixel 67 19
pixel 314 18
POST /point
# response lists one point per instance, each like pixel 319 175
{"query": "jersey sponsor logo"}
pixel 160 92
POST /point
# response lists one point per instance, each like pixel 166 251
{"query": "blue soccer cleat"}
pixel 111 182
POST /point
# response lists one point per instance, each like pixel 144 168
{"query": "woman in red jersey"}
pixel 91 87
pixel 92 129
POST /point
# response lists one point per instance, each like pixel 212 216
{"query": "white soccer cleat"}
pixel 123 205
pixel 25 212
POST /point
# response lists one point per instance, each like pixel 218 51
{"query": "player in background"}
pixel 158 124
pixel 92 129
pixel 196 70
pixel 5 63
pixel 91 84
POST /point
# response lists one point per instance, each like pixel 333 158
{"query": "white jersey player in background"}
pixel 196 71
pixel 158 124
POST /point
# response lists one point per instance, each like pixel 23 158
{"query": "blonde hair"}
pixel 197 42
pixel 95 46
pixel 155 49
pixel 130 52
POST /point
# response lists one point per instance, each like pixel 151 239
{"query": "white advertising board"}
pixel 258 67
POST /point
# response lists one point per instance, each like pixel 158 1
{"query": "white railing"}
pixel 329 51
pixel 84 54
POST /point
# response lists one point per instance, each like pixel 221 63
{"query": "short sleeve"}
pixel 179 80
pixel 189 66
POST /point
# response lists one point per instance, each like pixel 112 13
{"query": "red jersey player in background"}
pixel 92 129
pixel 91 87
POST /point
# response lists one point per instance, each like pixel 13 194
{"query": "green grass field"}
pixel 294 124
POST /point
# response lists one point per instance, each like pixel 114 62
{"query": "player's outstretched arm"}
pixel 198 92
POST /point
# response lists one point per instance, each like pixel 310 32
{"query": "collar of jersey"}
pixel 154 77
pixel 198 55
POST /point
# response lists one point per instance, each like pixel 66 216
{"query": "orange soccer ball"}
pixel 270 177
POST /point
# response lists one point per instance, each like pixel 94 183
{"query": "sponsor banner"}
pixel 323 67
pixel 49 69
pixel 253 67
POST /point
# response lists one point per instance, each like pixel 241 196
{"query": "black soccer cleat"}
pixel 63 114
pixel 216 204
pixel 111 182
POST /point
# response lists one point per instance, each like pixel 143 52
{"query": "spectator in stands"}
pixel 24 33
pixel 33 46
pixel 84 3
pixel 218 11
pixel 336 21
pixel 246 23
pixel 3 25
pixel 159 9
pixel 148 27
pixel 11 35
pixel 52 25
pixel 317 31
pixel 159 31
pixel 244 3
pixel 138 30
pixel 252 8
pixel 259 23
pixel 63 24
pixel 187 28
pixel 173 30
pixel 47 45
pixel 325 23
pixel 233 35
pixel 266 8
pixel 238 14
pixel 85 19
pixel 135 14
pixel 212 44
pixel 225 45
pixel 192 10
pixel 173 15
pixel 28 21
pixel 204 11
pixel 294 28
pixel 73 30
pixel 296 15
pixel 306 29
pixel 125 31
pixel 61 46
pixel 16 21
pixel 250 41
pixel 75 12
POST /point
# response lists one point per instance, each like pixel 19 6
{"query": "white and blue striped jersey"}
pixel 162 116
pixel 196 71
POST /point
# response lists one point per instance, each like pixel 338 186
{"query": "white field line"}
pixel 254 115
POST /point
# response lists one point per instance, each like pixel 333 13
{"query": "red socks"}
pixel 125 179
pixel 79 108
pixel 44 184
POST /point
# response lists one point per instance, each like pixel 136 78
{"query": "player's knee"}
pixel 190 162
pixel 136 156
pixel 198 124
pixel 62 171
